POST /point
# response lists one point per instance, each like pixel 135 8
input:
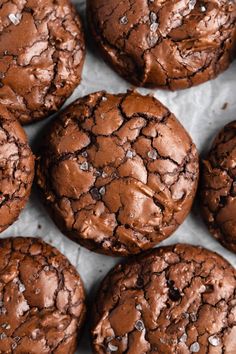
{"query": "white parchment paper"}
pixel 200 110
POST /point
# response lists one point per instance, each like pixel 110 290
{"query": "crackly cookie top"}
pixel 16 169
pixel 218 188
pixel 178 299
pixel 119 172
pixel 41 299
pixel 41 56
pixel 173 44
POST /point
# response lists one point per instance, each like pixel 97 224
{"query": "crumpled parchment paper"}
pixel 203 110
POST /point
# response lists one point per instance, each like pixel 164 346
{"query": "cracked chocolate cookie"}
pixel 41 56
pixel 218 187
pixel 169 44
pixel 119 172
pixel 42 300
pixel 178 299
pixel 16 169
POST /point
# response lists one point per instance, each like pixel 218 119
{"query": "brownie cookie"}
pixel 16 169
pixel 41 56
pixel 169 44
pixel 218 187
pixel 42 299
pixel 178 299
pixel 119 172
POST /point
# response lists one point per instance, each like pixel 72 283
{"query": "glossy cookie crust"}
pixel 179 299
pixel 118 172
pixel 41 56
pixel 170 44
pixel 218 188
pixel 42 299
pixel 16 169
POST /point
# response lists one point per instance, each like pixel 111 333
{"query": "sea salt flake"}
pixel 153 17
pixel 13 346
pixel 21 288
pixel 46 268
pixel 3 336
pixel 35 333
pixel 195 347
pixel 203 8
pixel 152 154
pixel 102 190
pixel 15 18
pixel 124 20
pixel 154 27
pixel 25 306
pixel 183 338
pixel 3 310
pixel 214 340
pixel 193 317
pixel 84 166
pixel 112 348
pixel 139 325
pixel 138 307
pixel 97 173
pixel 186 315
pixel 129 154
pixel 5 326
pixel 192 4
pixel 152 39
pixel 84 154
pixel 202 288
pixel 104 98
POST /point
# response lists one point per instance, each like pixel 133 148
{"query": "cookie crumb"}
pixel 225 106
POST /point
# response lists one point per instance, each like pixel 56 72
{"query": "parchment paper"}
pixel 200 110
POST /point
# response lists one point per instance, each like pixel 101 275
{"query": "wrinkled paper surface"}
pixel 200 110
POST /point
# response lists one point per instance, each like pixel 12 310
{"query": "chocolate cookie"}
pixel 170 44
pixel 16 169
pixel 41 299
pixel 218 187
pixel 41 56
pixel 178 299
pixel 119 172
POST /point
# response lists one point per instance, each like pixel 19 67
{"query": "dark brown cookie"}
pixel 119 172
pixel 170 44
pixel 41 56
pixel 16 169
pixel 218 187
pixel 42 299
pixel 175 300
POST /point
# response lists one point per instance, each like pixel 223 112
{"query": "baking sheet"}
pixel 203 110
